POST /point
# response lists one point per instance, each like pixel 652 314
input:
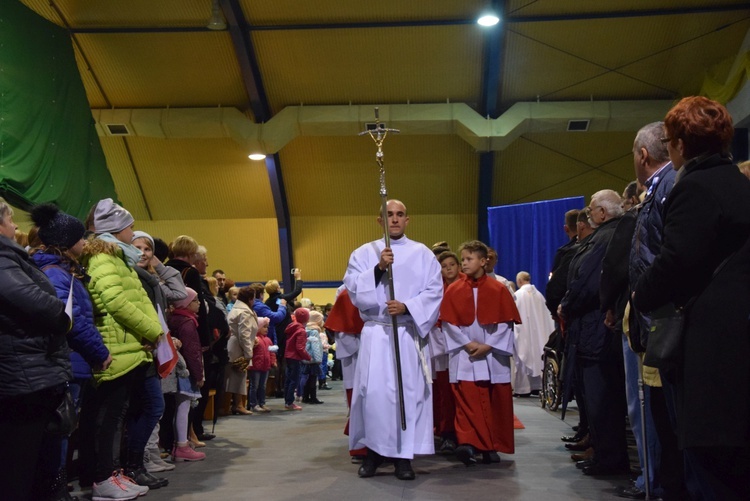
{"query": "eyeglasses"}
pixel 590 209
pixel 665 140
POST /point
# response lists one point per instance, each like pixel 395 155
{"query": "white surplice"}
pixel 375 418
pixel 347 350
pixel 531 336
pixel 495 367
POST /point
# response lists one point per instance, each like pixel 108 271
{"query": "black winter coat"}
pixel 33 324
pixel 587 334
pixel 707 219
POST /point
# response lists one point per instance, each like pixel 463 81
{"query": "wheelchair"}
pixel 551 394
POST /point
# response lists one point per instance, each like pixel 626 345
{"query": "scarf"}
pixel 184 312
pixel 494 303
pixel 132 253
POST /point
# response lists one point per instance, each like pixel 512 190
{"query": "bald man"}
pixel 375 416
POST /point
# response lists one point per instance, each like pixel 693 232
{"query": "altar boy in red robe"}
pixel 478 315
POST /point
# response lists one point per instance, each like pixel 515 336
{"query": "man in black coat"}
pixel 595 350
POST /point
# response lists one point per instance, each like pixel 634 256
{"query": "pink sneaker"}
pixel 187 453
pixel 293 407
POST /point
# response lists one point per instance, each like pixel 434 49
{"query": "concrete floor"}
pixel 287 455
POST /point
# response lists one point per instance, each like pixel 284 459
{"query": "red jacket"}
pixel 296 338
pixel 262 358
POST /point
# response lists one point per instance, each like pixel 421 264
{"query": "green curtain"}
pixel 49 148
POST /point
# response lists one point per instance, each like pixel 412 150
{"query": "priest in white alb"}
pixel 531 336
pixel 375 418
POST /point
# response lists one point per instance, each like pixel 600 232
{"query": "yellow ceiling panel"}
pixel 386 65
pixel 126 180
pixel 574 7
pixel 544 166
pixel 340 11
pixel 188 69
pixel 122 13
pixel 528 65
pixel 201 179
pixel 431 174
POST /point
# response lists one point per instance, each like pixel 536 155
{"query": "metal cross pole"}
pixel 378 134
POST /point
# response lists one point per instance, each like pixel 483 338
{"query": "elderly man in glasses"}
pixel 593 350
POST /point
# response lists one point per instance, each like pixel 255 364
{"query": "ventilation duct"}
pixel 578 125
pixel 117 129
pixel 482 133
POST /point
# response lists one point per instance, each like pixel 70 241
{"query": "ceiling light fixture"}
pixel 217 21
pixel 488 19
pixel 257 156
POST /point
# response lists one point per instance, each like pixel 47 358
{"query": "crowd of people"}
pixel 115 331
pixel 134 334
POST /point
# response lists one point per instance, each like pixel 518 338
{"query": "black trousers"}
pixel 23 420
pixel 196 413
pixel 672 464
pixel 103 411
pixel 604 394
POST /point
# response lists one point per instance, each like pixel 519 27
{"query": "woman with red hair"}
pixel 704 268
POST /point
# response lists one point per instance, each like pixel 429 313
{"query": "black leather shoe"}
pixel 315 401
pixel 490 457
pixel 631 492
pixel 370 464
pixel 204 437
pixel 404 470
pixel 599 469
pixel 465 453
pixel 584 464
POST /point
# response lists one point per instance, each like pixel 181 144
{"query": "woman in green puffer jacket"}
pixel 130 328
pixel 123 312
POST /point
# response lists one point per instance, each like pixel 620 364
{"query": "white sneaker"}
pixel 153 462
pixel 126 480
pixel 113 488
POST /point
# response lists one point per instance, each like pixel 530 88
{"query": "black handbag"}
pixel 64 419
pixel 664 344
pixel 663 348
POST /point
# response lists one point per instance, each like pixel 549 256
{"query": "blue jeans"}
pixel 145 410
pixel 632 374
pixel 256 394
pixel 292 380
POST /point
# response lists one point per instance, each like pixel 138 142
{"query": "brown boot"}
pixel 583 456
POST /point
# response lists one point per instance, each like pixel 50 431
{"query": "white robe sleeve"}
pixel 501 339
pixel 455 337
pixel 425 306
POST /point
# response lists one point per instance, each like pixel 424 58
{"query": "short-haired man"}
pixel 221 279
pixel 654 171
pixel 593 349
pixel 374 419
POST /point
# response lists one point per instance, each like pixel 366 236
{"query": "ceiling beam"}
pixel 494 49
pixel 251 76
pixel 246 58
pixel 513 19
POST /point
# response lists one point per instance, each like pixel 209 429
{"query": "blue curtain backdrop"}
pixel 526 237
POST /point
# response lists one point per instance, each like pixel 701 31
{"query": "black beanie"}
pixel 56 227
